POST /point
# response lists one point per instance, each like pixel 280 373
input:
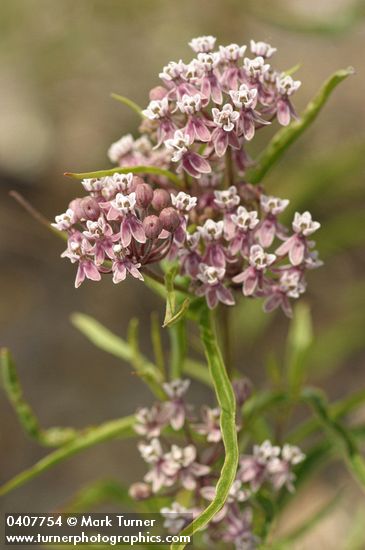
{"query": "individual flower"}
pixel 65 221
pixel 80 250
pixel 150 422
pixel 203 43
pixel 189 468
pixel 175 407
pixel 212 287
pixel 291 285
pixel 296 246
pixel 286 86
pixel 163 468
pixel 224 134
pixel 120 148
pixel 122 265
pixel 227 199
pixel 252 277
pixel 262 49
pixel 245 99
pixel 193 163
pixel 177 517
pixel 210 425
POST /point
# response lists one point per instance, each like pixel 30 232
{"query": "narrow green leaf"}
pixel 172 315
pixel 293 69
pixel 52 437
pixel 299 340
pixel 178 347
pixel 337 410
pixel 178 315
pixel 198 371
pixel 106 340
pixel 121 428
pixel 286 136
pixel 129 103
pixel 286 542
pixel 226 399
pixel 102 337
pixel 157 343
pixel 340 436
pixel 99 492
pixel 154 170
pixel 146 370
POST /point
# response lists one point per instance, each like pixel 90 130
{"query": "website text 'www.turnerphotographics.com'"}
pixel 95 529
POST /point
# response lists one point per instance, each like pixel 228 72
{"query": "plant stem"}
pixel 229 176
pixel 226 399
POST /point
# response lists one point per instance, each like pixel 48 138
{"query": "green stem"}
pixel 177 333
pixel 226 400
pixel 229 176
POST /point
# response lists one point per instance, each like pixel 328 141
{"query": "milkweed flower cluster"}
pixel 194 466
pixel 225 233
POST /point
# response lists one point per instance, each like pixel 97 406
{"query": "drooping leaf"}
pixel 226 400
pixel 51 437
pixel 174 311
pixel 106 340
pixel 102 337
pixel 154 170
pixel 286 541
pixel 148 372
pixel 129 103
pixel 337 410
pixel 286 136
pixel 198 371
pixel 299 340
pixel 337 434
pixel 99 492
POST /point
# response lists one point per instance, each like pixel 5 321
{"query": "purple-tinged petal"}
pixel 125 233
pixel 212 298
pixel 91 271
pixel 296 252
pixel 225 295
pixel 199 163
pixel 266 233
pixel 137 230
pixel 283 112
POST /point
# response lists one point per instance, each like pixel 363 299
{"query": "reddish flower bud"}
pixel 161 199
pixel 157 93
pixel 137 180
pixel 152 227
pixel 86 208
pixel 169 219
pixel 140 491
pixel 144 194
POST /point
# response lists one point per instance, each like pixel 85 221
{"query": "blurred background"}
pixel 60 60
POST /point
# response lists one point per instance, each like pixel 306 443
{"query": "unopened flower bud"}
pixel 139 491
pixel 144 194
pixel 137 180
pixel 158 92
pixel 161 199
pixel 152 227
pixel 169 219
pixel 242 388
pixel 86 208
